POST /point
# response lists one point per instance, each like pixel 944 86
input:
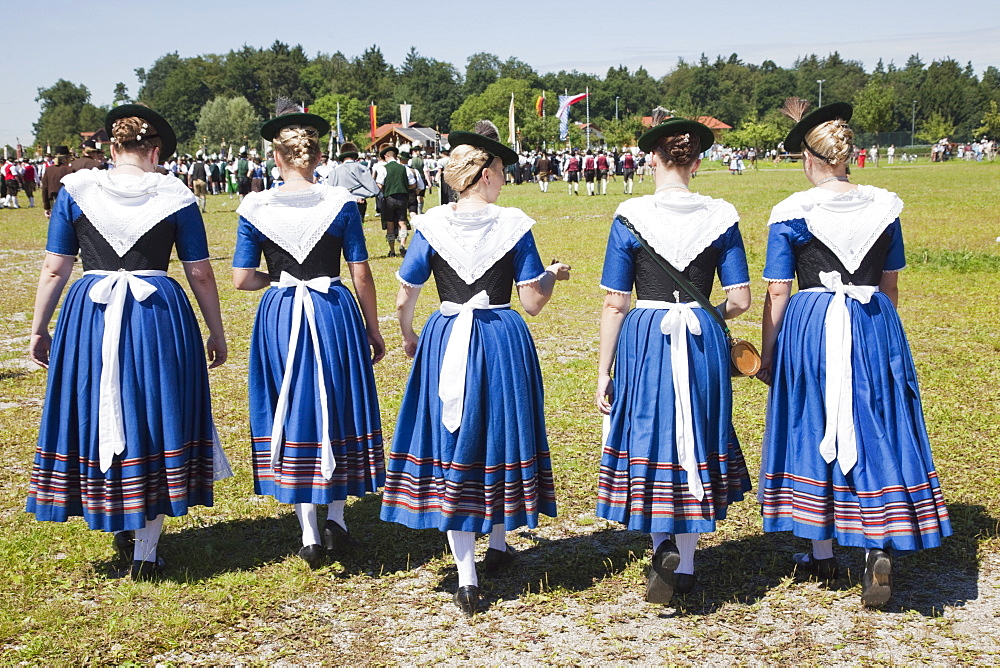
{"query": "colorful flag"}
pixel 372 110
pixel 340 130
pixel 565 101
pixel 540 106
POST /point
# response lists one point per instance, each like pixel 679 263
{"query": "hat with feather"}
pixel 288 113
pixel 796 108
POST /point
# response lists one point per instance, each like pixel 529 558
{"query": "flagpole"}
pixel 588 117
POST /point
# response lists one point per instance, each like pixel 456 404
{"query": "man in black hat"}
pixel 396 183
pixel 92 158
pixel 52 178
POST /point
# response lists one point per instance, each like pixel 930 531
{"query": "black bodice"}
pixel 652 282
pixel 323 259
pixel 151 251
pixel 814 256
pixel 498 281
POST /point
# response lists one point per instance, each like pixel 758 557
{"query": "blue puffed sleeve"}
pixel 248 245
pixel 733 270
pixel 352 233
pixel 895 259
pixel 619 259
pixel 780 263
pixel 416 267
pixel 527 264
pixel 62 235
pixel 192 244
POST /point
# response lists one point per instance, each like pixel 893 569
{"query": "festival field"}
pixel 235 591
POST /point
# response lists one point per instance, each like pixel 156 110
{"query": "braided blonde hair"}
pixel 298 145
pixel 833 140
pixel 463 165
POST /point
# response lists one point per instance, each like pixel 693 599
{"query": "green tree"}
pixel 121 94
pixel 227 119
pixel 761 135
pixel 353 117
pixel 493 104
pixel 433 88
pixel 623 132
pixel 990 127
pixel 66 111
pixel 874 104
pixel 935 128
pixel 481 70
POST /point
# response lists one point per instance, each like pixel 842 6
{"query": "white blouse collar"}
pixel 123 207
pixel 295 220
pixel 679 225
pixel 848 223
pixel 472 242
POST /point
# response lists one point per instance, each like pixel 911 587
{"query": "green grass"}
pixel 235 589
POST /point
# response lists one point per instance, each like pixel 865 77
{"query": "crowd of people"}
pixel 128 438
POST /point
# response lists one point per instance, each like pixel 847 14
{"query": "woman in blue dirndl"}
pixel 127 436
pixel 671 463
pixel 469 451
pixel 314 415
pixel 846 454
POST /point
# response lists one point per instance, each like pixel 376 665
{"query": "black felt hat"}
pixel 270 129
pixel 677 126
pixel 837 110
pixel 387 149
pixel 347 150
pixel 161 128
pixel 61 149
pixel 506 154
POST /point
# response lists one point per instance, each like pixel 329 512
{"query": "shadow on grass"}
pixel 743 571
pixel 201 553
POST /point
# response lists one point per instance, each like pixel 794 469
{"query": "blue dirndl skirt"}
pixel 641 483
pixel 495 468
pixel 352 402
pixel 167 463
pixel 891 497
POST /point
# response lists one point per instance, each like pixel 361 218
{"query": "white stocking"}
pixel 498 537
pixel 335 512
pixel 306 512
pixel 687 543
pixel 463 546
pixel 658 538
pixel 823 549
pixel 146 540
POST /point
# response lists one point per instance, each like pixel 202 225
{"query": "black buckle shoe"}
pixel 876 583
pixel 147 571
pixel 124 544
pixel 660 582
pixel 683 583
pixel 467 599
pixel 497 560
pixel 337 539
pixel 314 555
pixel 821 569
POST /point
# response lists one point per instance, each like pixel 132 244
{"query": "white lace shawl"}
pixel 847 223
pixel 472 242
pixel 295 220
pixel 679 225
pixel 123 207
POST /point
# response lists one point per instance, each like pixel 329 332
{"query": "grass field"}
pixel 235 590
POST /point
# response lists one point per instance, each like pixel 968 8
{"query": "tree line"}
pixel 211 97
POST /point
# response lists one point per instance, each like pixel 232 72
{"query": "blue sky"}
pixel 99 43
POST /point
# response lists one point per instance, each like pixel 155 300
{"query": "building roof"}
pixel 396 134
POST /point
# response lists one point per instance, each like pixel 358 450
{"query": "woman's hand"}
pixel 218 351
pixel 410 340
pixel 605 393
pixel 764 375
pixel 560 270
pixel 377 345
pixel 39 347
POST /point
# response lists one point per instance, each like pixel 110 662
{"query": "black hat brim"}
pixel 344 156
pixel 388 149
pixel 269 130
pixel 830 112
pixel 677 126
pixel 506 154
pixel 166 133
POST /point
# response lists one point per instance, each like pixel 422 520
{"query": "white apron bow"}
pixel 451 382
pixel 840 440
pixel 303 304
pixel 676 323
pixel 112 290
